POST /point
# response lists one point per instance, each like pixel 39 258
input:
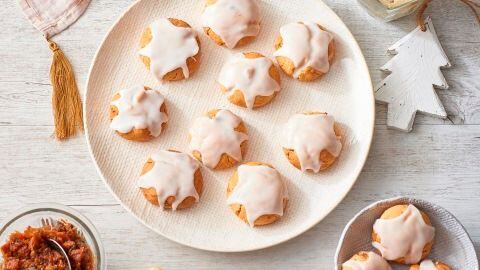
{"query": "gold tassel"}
pixel 66 102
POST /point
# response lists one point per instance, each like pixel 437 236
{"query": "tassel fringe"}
pixel 66 102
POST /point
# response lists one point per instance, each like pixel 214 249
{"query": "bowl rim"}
pixel 86 225
pixel 392 200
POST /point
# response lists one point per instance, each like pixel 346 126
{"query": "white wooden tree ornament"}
pixel 413 71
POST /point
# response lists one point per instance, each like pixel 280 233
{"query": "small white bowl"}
pixel 452 244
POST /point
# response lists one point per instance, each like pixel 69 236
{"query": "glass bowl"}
pixel 31 216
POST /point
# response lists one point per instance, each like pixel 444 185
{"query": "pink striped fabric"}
pixel 53 16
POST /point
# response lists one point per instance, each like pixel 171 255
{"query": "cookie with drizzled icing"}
pixel 311 141
pixel 218 139
pixel 364 260
pixel 250 80
pixel 171 180
pixel 430 265
pixel 138 113
pixel 231 23
pixel 257 194
pixel 304 50
pixel 403 234
pixel 170 49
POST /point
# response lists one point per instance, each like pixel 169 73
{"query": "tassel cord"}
pixel 470 3
pixel 66 102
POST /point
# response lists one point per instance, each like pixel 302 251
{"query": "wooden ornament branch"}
pixel 66 102
pixel 421 23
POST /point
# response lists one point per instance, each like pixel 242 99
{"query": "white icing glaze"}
pixel 403 236
pixel 215 136
pixel 232 20
pixel 170 47
pixel 139 108
pixel 171 175
pixel 427 265
pixel 374 262
pixel 260 190
pixel 250 76
pixel 308 135
pixel 306 45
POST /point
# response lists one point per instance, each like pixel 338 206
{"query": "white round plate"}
pixel 345 92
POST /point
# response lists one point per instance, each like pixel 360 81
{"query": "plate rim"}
pixel 357 172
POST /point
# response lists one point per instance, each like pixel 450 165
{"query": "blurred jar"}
pixel 389 10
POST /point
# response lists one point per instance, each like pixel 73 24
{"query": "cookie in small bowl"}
pixel 312 141
pixel 171 180
pixel 250 80
pixel 170 49
pixel 218 139
pixel 452 243
pixel 257 194
pixel 231 23
pixel 403 234
pixel 430 265
pixel 138 113
pixel 304 50
pixel 366 260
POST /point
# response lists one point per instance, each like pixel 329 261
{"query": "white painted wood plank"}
pixel 312 250
pixel 437 161
pixel 36 168
pixel 37 161
pixel 25 57
pixel 427 163
pixel 460 39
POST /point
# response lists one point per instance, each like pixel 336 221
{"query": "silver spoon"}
pixel 54 244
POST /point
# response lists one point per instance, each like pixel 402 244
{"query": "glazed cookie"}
pixel 366 261
pixel 304 50
pixel 249 79
pixel 311 141
pixel 403 234
pixel 138 113
pixel 231 22
pixel 171 180
pixel 218 139
pixel 429 265
pixel 257 194
pixel 170 49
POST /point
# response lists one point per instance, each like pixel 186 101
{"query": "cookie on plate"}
pixel 430 265
pixel 312 141
pixel 403 234
pixel 250 80
pixel 171 180
pixel 231 23
pixel 138 113
pixel 257 194
pixel 366 260
pixel 304 50
pixel 170 49
pixel 218 139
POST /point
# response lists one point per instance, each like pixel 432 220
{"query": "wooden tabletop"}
pixel 439 161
